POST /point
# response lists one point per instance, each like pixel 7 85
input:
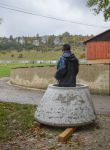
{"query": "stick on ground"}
pixel 66 134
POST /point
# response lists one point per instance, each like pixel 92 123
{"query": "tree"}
pixel 66 34
pixel 100 6
pixel 11 37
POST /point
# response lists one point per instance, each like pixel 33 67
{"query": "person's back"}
pixel 67 68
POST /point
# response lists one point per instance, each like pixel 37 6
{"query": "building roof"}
pixel 104 36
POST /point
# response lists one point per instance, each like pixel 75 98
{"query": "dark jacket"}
pixel 67 69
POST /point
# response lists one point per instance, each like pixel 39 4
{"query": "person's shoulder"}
pixel 63 58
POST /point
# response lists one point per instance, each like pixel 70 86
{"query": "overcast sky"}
pixel 20 24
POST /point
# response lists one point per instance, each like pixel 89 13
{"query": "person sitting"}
pixel 67 68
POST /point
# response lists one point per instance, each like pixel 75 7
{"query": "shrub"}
pixel 12 55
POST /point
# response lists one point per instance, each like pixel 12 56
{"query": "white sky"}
pixel 19 24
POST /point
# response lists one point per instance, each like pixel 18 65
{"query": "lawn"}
pixel 5 68
pixel 19 131
pixel 15 119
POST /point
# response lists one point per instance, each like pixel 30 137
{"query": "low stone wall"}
pixel 35 77
pixel 96 76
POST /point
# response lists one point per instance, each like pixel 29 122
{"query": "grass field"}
pixel 5 68
pixel 28 55
pixel 19 131
pixel 34 55
pixel 15 119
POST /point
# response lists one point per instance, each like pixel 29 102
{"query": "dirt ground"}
pixel 91 137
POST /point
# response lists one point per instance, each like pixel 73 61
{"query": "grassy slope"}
pixel 33 55
pixel 28 55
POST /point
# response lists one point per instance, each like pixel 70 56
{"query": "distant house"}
pixel 57 41
pixel 36 43
pixel 44 39
pixel 98 48
pixel 21 40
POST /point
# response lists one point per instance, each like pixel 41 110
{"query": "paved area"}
pixel 11 93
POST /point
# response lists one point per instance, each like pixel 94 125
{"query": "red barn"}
pixel 98 48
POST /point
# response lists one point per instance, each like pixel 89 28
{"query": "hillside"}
pixel 46 47
pixel 44 43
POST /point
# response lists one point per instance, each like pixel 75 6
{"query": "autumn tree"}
pixel 100 6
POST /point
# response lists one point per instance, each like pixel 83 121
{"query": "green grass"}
pixel 15 119
pixel 5 68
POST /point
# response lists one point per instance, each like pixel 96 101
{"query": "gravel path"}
pixel 10 93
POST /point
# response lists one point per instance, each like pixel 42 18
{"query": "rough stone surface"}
pixel 66 106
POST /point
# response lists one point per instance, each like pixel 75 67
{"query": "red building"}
pixel 98 48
